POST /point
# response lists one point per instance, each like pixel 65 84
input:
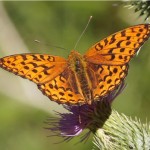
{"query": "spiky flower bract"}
pixel 142 6
pixel 121 132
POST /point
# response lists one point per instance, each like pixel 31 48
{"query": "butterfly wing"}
pixel 47 71
pixel 59 90
pixel 108 78
pixel 119 48
pixel 109 58
pixel 35 67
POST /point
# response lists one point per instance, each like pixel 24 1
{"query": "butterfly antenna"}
pixel 37 41
pixel 83 32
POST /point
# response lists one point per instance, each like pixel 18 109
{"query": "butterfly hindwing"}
pixel 108 78
pixel 60 90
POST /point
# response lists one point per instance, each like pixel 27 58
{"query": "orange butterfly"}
pixel 81 79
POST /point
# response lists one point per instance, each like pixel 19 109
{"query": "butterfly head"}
pixel 75 59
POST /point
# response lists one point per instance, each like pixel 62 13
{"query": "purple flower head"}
pixel 83 117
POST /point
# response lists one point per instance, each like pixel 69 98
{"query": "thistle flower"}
pixel 92 117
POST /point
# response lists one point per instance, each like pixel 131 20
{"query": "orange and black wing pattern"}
pixel 107 62
pixel 47 71
pixel 109 58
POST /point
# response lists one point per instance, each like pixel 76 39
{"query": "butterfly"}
pixel 81 79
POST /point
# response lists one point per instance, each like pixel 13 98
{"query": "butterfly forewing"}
pixel 119 48
pixel 35 67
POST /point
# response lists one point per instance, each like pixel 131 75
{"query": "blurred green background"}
pixel 60 24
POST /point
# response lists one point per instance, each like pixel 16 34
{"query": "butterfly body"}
pixel 81 79
pixel 80 76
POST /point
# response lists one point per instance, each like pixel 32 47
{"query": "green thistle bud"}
pixel 122 132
